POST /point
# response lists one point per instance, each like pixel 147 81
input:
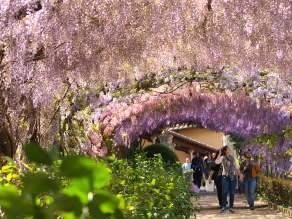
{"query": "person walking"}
pixel 198 168
pixel 216 175
pixel 249 169
pixel 207 165
pixel 187 169
pixel 229 179
pixel 214 156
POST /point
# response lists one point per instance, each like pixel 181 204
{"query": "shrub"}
pixel 168 155
pixel 80 187
pixel 150 190
pixel 71 188
pixel 278 191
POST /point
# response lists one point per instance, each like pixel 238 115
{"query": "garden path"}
pixel 211 209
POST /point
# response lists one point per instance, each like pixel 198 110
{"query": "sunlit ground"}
pixel 210 209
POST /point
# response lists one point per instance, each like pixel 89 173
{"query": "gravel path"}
pixel 211 208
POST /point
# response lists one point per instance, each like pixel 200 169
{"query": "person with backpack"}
pixel 216 175
pixel 249 169
pixel 198 168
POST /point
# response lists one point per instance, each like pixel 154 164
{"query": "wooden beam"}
pixel 182 148
pixel 191 146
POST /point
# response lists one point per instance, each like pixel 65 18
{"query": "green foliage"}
pixel 149 189
pixel 278 191
pixel 79 187
pixel 269 139
pixel 71 188
pixel 238 142
pixel 37 154
pixel 167 154
pixel 288 132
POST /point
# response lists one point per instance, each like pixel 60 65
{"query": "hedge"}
pixel 278 191
pixel 168 155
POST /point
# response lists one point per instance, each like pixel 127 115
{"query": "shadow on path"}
pixel 210 208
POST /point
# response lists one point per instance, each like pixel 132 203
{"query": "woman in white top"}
pixel 229 180
pixel 187 169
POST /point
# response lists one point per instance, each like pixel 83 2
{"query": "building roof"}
pixel 192 141
pixel 183 127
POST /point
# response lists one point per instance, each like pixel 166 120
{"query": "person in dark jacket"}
pixel 198 168
pixel 216 175
pixel 207 165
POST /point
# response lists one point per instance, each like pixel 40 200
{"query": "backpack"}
pixel 218 172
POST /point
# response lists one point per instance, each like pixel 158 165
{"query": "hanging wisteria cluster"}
pixel 131 38
pixel 59 57
pixel 45 42
pixel 229 112
pixel 235 113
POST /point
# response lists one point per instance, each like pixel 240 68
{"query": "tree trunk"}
pixel 6 144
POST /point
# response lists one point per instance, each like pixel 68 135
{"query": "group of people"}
pixel 222 167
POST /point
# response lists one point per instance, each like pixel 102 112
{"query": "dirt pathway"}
pixel 211 209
